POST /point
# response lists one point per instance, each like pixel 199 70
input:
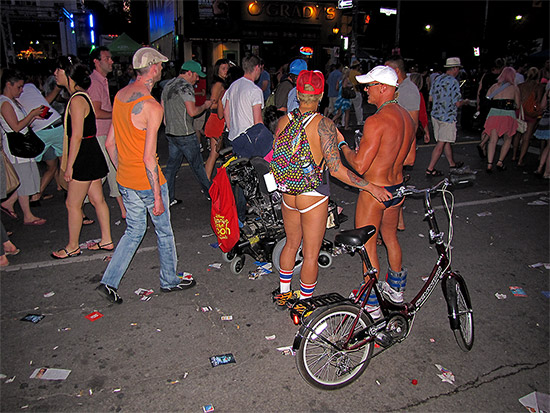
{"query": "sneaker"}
pixel 285 300
pixel 185 284
pixel 110 293
pixel 390 293
pixel 374 311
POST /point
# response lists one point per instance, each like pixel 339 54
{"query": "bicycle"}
pixel 335 342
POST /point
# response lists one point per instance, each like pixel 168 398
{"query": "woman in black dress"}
pixel 85 163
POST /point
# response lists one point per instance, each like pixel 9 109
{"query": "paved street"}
pixel 154 355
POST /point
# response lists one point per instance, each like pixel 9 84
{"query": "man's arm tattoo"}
pixel 153 177
pixel 327 134
pixel 356 179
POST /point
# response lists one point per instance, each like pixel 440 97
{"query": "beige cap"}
pixel 147 56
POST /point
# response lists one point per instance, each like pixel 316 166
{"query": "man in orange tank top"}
pixel 132 146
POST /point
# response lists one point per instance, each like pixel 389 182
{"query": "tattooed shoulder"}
pixel 138 107
pixel 135 96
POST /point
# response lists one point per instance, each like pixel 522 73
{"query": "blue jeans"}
pixel 178 147
pixel 137 204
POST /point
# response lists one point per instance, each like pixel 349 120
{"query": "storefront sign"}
pixel 312 13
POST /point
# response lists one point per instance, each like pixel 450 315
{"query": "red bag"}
pixel 223 216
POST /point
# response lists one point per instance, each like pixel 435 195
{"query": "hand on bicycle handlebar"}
pixel 411 190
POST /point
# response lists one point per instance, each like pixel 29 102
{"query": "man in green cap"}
pixel 178 101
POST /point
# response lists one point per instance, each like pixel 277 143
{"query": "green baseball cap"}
pixel 193 66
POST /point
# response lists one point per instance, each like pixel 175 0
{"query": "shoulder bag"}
pixel 12 179
pixel 24 145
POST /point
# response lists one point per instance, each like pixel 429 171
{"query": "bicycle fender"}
pixel 305 327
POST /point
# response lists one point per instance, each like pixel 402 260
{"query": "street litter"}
pixel 421 235
pixel 50 374
pixel 414 382
pixel 536 402
pixel 216 265
pixel 117 390
pixel 447 375
pixel 33 318
pixel 2 376
pixel 207 408
pixel 270 337
pixel 207 235
pixel 206 309
pixel 215 245
pixel 518 291
pixel 222 359
pixel 94 316
pixel 10 380
pixel 117 222
pixel 546 293
pixel 432 340
pixel 64 329
pixel 227 317
pixel 484 214
pixel 55 348
pixel 144 294
pixel 546 265
pixel 287 351
pixel 538 202
pixel 48 295
pixel 501 296
pixel 377 382
pixel 185 275
pixel 87 244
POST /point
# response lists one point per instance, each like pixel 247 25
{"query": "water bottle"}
pixel 307 170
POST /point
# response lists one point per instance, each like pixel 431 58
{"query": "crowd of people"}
pixel 90 138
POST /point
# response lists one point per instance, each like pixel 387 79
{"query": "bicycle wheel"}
pixel 459 298
pixel 324 366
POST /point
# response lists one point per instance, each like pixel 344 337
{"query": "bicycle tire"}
pixel 319 363
pixel 457 292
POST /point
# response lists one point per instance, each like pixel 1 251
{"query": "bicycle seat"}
pixel 355 237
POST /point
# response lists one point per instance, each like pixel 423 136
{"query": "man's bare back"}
pixel 386 146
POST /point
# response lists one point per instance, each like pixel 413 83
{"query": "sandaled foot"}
pixel 97 246
pixel 64 254
pixel 87 221
pixel 501 166
pixel 9 212
pixel 489 169
pixel 433 172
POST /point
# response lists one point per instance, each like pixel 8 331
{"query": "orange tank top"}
pixel 130 143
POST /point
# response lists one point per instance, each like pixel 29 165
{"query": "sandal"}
pixel 501 167
pixel 97 246
pixel 71 254
pixel 11 214
pixel 489 170
pixel 433 172
pixel 87 221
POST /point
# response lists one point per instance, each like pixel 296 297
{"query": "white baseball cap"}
pixel 382 74
pixel 147 56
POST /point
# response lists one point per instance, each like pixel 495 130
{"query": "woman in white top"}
pixel 13 118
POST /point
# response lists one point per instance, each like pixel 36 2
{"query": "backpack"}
pixel 293 166
pixel 223 215
pixel 530 106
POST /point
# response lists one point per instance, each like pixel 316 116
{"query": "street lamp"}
pixel 519 17
pixel 428 27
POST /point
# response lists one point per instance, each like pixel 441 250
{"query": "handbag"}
pixel 12 179
pixel 522 124
pixel 348 92
pixel 27 145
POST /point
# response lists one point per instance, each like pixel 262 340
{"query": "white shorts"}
pixel 444 131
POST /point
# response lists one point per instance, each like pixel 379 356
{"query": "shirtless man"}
pixel 132 146
pixel 386 146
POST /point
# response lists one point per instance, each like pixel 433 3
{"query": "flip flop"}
pixel 14 252
pixel 87 221
pixel 69 254
pixel 11 214
pixel 36 222
pixel 433 172
pixel 102 247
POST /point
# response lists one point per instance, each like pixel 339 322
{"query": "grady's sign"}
pixel 287 10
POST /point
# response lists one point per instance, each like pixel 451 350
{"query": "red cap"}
pixel 313 78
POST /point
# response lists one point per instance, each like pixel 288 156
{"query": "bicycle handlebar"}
pixel 411 190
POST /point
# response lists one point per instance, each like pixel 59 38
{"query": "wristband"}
pixel 340 145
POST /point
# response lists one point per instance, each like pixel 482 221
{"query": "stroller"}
pixel 262 235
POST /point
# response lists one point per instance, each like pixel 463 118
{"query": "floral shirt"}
pixel 445 93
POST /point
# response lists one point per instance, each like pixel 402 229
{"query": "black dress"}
pixel 90 163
